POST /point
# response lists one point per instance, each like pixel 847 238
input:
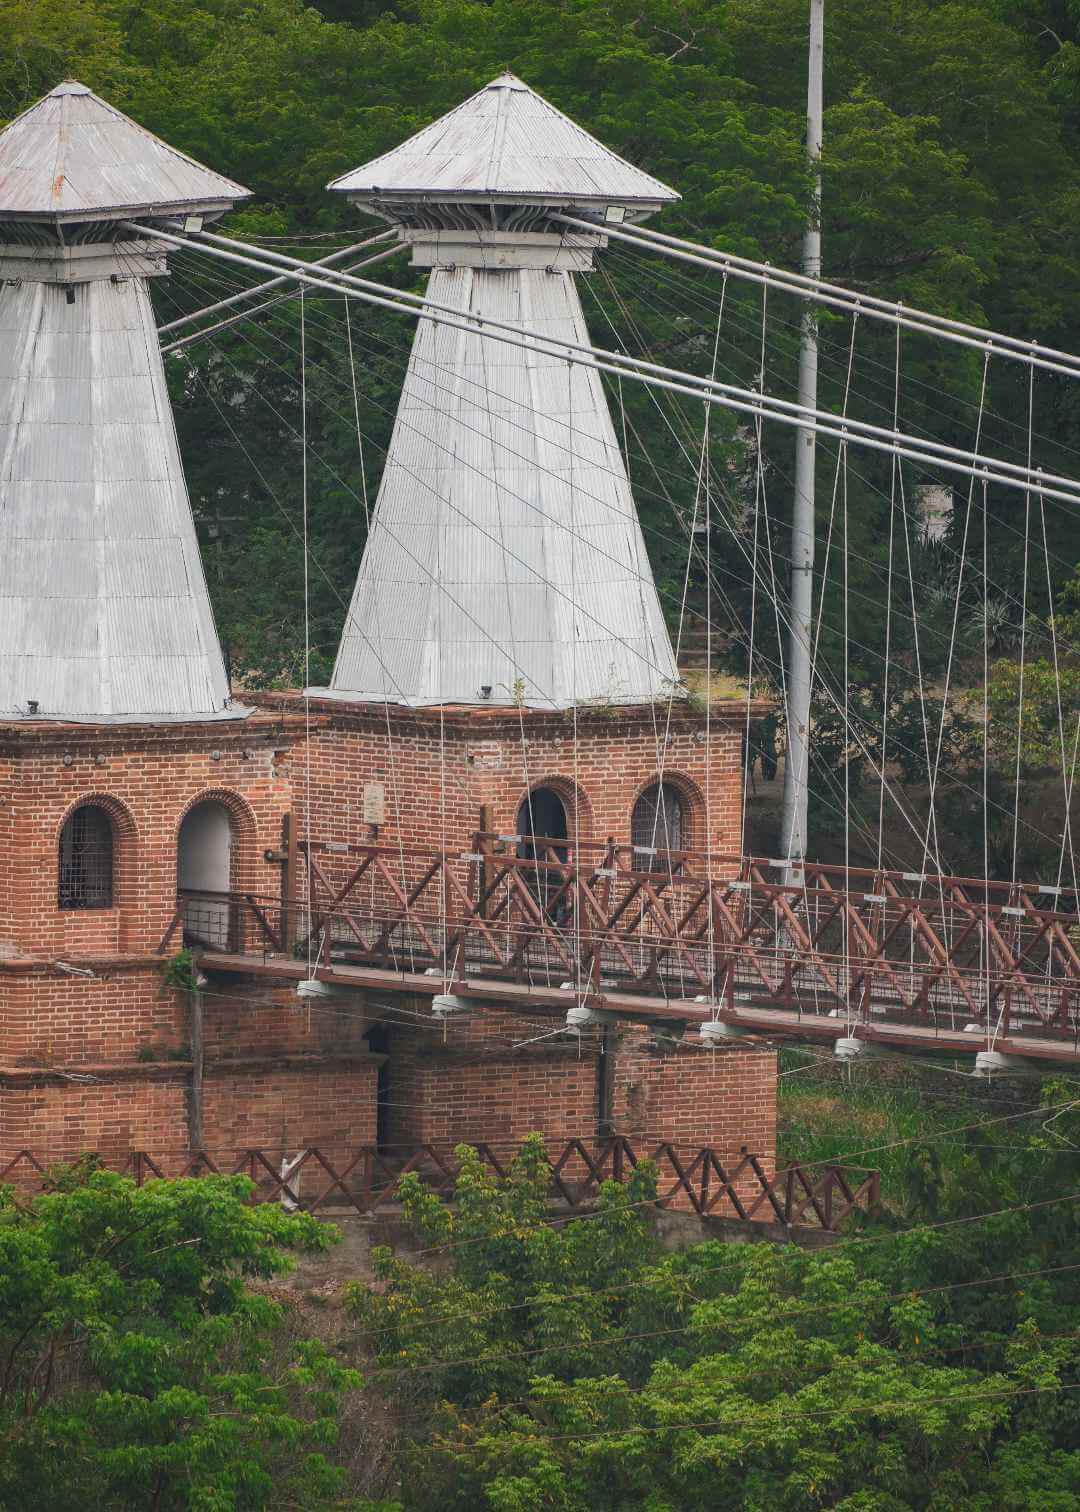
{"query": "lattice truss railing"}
pixel 365 1178
pixel 847 942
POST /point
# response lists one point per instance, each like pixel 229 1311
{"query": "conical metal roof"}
pixel 73 157
pixel 505 563
pixel 104 613
pixel 506 142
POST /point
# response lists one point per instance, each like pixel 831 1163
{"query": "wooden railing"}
pixel 364 1179
pixel 736 930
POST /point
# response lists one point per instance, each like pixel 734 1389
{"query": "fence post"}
pixel 195 1114
pixel 288 882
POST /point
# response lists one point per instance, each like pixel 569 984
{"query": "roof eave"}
pixel 158 209
pixel 413 196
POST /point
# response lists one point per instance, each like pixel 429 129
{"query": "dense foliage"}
pixel 582 1368
pixel 930 1360
pixel 138 1368
pixel 951 180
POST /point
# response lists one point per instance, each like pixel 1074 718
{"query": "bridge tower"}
pixel 505 670
pixel 125 767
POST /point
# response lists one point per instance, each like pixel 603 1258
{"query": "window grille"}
pixel 657 825
pixel 86 859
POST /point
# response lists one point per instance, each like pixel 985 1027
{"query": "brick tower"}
pixel 125 769
pixel 506 685
pixel 458 893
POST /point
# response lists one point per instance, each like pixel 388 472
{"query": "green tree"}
pixel 138 1368
pixel 575 1367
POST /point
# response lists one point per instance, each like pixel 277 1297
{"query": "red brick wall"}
pixel 7 850
pixel 330 1104
pixel 60 1120
pixel 481 1082
pixel 693 1097
pixel 147 781
pixel 437 774
pixel 278 1072
pixel 123 1012
pixel 477 1082
pixel 264 1106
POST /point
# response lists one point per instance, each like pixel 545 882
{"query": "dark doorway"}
pixel 378 1038
pixel 543 813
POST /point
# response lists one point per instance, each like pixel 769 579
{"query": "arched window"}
pixel 658 823
pixel 86 859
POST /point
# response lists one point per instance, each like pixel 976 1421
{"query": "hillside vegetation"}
pixel 951 181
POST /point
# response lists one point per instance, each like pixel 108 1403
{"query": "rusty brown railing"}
pixel 364 1179
pixel 851 942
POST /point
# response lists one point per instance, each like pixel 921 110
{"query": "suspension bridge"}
pixel 720 945
pixel 506 571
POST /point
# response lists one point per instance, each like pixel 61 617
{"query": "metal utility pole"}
pixel 793 828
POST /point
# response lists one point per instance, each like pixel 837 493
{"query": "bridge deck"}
pixel 944 964
pixel 761 1020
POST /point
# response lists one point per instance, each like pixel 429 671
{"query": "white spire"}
pixel 505 562
pixel 104 613
pixel 506 141
pixel 73 157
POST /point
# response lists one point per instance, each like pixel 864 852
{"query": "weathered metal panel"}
pixel 104 613
pixel 72 156
pixel 505 550
pixel 506 140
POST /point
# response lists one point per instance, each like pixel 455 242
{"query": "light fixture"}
pixel 714 1033
pixel 446 1005
pixel 851 1048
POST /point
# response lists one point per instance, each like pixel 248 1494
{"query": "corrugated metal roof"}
pixel 104 613
pixel 74 157
pixel 506 140
pixel 505 549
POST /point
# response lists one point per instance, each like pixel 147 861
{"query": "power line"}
pixel 572 1347
pixel 768 1412
pixel 785 412
pixel 993 343
pixel 953 780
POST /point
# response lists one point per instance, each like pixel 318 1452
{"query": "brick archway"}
pixel 579 818
pixel 695 816
pixel 125 890
pixel 242 822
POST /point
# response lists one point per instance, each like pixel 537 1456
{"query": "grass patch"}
pixel 721 687
pixel 845 1114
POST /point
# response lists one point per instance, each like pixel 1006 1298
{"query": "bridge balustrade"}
pixel 852 943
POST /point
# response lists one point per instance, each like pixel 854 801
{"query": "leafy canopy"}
pixel 138 1368
pixel 575 1366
